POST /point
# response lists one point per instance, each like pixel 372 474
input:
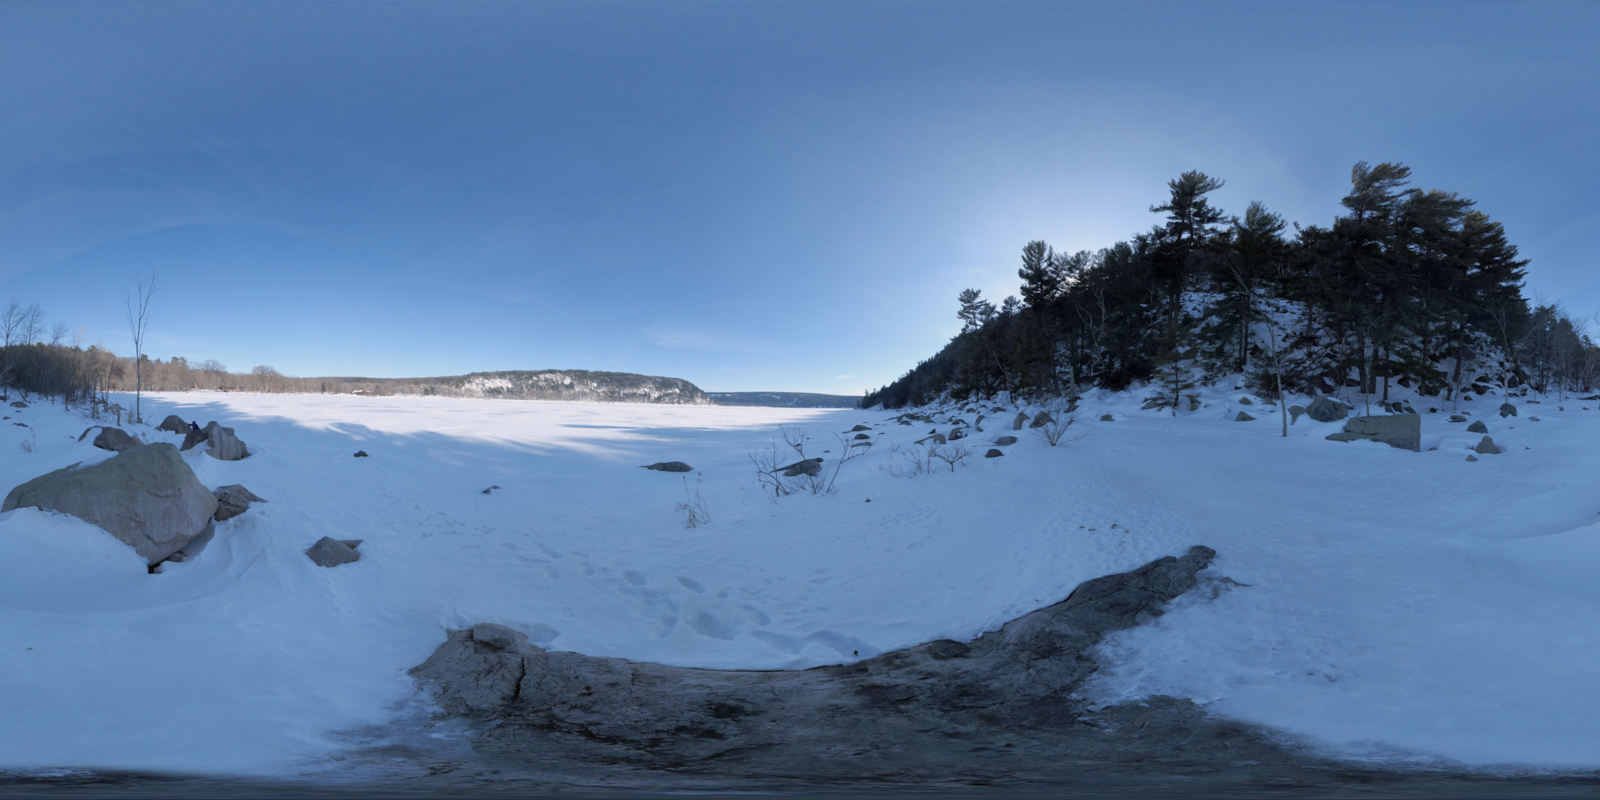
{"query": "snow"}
pixel 1396 606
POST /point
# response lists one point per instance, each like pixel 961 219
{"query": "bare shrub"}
pixel 951 454
pixel 693 508
pixel 772 475
pixel 1055 430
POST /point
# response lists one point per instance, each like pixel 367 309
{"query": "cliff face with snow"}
pixel 570 384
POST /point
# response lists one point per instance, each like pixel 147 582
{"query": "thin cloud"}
pixel 683 337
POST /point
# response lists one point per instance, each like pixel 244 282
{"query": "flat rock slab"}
pixel 147 497
pixel 994 705
pixel 669 466
pixel 1399 430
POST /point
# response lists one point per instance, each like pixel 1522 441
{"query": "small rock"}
pixel 1243 417
pixel 1107 418
pixel 1457 418
pixel 1488 447
pixel 1533 419
pixel 329 552
pixel 1245 401
pixel 361 454
pixel 860 428
pixel 1022 417
pixel 993 453
pixel 810 466
pixel 1005 440
pixel 490 489
pixel 1507 410
pixel 860 436
pixel 1325 409
pixel 669 466
pixel 1472 458
pixel 18 404
pixel 1478 427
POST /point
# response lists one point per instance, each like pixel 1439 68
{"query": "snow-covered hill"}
pixel 1388 604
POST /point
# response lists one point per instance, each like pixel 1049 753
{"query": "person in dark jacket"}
pixel 194 426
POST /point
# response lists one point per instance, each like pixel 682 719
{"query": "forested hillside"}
pixel 1412 286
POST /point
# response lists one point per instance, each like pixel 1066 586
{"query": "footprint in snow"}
pixel 755 615
pixel 692 585
pixel 635 577
pixel 707 624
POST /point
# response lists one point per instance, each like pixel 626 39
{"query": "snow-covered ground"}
pixel 1398 605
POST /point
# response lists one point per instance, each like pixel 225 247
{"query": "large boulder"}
pixel 1400 430
pixel 222 444
pixel 147 497
pixel 232 501
pixel 174 424
pixel 192 438
pixel 1326 409
pixel 116 440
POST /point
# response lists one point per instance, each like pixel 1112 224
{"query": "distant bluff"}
pixel 550 384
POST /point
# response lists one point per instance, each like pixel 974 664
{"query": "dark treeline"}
pixel 1410 286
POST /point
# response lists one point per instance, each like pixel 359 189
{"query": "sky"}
pixel 747 195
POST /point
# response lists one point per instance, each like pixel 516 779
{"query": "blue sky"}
pixel 748 195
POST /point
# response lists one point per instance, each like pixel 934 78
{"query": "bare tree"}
pixel 58 333
pixel 138 323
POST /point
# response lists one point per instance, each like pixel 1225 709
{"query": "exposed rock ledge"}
pixel 1002 705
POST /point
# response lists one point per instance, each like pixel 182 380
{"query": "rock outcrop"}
pixel 147 497
pixel 221 444
pixel 999 703
pixel 232 501
pixel 116 440
pixel 1326 409
pixel 1398 430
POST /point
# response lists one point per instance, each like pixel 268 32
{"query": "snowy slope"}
pixel 1397 602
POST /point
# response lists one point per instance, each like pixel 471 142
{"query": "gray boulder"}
pixel 18 404
pixel 116 440
pixel 993 453
pixel 361 454
pixel 221 444
pixel 174 424
pixel 1022 417
pixel 1042 420
pixel 917 711
pixel 860 428
pixel 1507 410
pixel 1243 417
pixel 1295 412
pixel 1488 447
pixel 147 497
pixel 1326 409
pixel 232 501
pixel 329 552
pixel 1457 418
pixel 669 466
pixel 1245 401
pixel 1472 458
pixel 861 436
pixel 1107 418
pixel 1403 431
pixel 1477 427
pixel 192 438
pixel 810 466
pixel 1005 440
